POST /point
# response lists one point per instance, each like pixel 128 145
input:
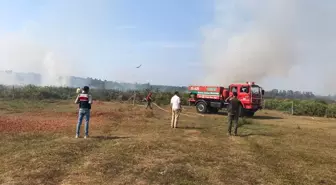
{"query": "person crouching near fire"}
pixel 84 99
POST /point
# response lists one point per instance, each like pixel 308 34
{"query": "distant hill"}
pixel 15 78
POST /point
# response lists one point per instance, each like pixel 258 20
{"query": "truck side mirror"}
pixel 262 92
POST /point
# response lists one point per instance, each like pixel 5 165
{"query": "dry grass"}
pixel 131 145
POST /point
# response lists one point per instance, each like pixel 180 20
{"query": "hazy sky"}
pixel 172 40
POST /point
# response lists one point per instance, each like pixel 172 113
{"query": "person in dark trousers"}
pixel 149 100
pixel 233 113
pixel 84 100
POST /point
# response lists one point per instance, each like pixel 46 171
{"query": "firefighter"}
pixel 84 100
pixel 233 113
pixel 149 100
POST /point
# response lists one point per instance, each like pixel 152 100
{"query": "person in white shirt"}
pixel 176 107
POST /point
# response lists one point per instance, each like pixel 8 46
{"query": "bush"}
pixel 331 111
pixel 302 107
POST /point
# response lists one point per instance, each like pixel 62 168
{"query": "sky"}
pixel 178 42
pixel 107 39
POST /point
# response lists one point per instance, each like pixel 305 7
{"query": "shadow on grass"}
pixel 253 117
pixel 260 134
pixel 191 128
pixel 244 121
pixel 266 117
pixel 108 137
pixel 222 113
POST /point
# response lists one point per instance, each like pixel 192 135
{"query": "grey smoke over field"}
pixel 45 41
pixel 21 53
pixel 24 56
pixel 257 40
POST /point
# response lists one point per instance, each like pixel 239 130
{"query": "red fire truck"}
pixel 210 99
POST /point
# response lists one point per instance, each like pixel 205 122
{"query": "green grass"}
pixel 23 105
pixel 135 146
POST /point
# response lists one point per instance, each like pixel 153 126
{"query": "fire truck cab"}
pixel 211 99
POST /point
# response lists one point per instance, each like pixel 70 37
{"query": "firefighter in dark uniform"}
pixel 233 113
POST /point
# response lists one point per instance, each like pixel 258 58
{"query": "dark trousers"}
pixel 234 118
pixel 149 104
pixel 81 114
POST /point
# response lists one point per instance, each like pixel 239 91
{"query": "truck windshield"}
pixel 255 90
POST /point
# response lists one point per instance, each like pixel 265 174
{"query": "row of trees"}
pixel 289 94
pixel 275 93
pixel 64 93
pixel 37 79
pixel 298 107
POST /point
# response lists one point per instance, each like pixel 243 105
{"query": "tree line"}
pixel 300 103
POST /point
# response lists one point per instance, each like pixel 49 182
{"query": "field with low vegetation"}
pixel 308 107
pixel 302 107
pixel 131 145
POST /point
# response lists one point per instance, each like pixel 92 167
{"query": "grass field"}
pixel 131 145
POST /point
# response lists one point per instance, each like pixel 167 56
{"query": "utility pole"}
pixel 134 96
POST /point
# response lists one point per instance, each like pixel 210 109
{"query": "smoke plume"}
pixel 47 42
pixel 19 53
pixel 258 40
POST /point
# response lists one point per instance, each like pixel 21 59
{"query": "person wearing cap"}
pixel 84 100
pixel 176 108
pixel 233 113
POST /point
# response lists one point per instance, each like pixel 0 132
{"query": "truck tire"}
pixel 201 107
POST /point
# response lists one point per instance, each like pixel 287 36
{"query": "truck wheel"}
pixel 201 107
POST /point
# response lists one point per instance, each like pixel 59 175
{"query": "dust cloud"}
pixel 255 40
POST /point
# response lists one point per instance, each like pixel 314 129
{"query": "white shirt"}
pixel 175 102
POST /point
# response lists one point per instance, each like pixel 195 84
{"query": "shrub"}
pixel 302 107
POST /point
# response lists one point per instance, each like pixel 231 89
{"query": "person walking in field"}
pixel 84 100
pixel 176 108
pixel 149 100
pixel 233 113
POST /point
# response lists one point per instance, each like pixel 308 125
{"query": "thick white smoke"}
pixel 55 72
pixel 254 40
pixel 46 41
pixel 19 53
